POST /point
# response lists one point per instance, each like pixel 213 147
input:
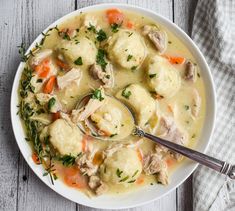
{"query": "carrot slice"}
pixel 45 71
pixel 49 85
pixel 139 154
pixel 55 116
pixel 84 143
pixel 98 158
pixel 129 25
pixel 170 162
pixel 114 16
pixel 140 180
pixel 35 158
pixel 170 108
pixel 43 68
pixel 73 178
pixel 175 60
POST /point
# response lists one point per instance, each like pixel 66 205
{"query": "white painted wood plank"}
pixel 183 17
pixel 9 60
pixel 85 3
pixel 32 193
pixel 163 7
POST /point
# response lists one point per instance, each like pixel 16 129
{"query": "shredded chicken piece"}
pixel 115 147
pixel 105 76
pixel 169 131
pixel 196 104
pixel 90 20
pixel 97 185
pixel 158 38
pixel 87 110
pixel 190 72
pixel 112 149
pixel 74 75
pixel 154 164
pixel 86 165
pixel 40 56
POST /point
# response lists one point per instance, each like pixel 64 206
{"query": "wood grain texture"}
pixel 23 20
pixel 33 194
pixel 9 60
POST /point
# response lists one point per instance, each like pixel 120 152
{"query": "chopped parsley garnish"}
pixel 118 173
pixel 194 135
pixel 78 61
pixel 77 30
pixel 107 76
pixel 129 57
pixel 112 135
pixel 186 107
pixel 100 58
pixel 97 95
pixel 130 34
pixel 101 35
pixel 51 103
pixel 124 179
pixel 198 75
pixel 67 160
pixel 135 173
pixel 114 27
pixel 152 75
pixel 132 181
pixel 133 67
pixel 126 93
pixel 92 28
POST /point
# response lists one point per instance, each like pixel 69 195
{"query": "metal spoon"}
pixel 213 163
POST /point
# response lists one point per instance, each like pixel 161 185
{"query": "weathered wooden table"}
pixel 22 21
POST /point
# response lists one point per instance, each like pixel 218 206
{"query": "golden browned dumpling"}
pixel 127 49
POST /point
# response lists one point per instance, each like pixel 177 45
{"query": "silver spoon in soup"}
pixel 107 118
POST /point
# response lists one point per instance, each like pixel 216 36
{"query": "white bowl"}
pixel 148 193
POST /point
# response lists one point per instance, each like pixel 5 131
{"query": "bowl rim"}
pixel 173 28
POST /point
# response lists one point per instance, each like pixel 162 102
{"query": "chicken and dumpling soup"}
pixel 115 57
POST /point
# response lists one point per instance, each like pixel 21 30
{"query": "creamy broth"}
pixel 76 158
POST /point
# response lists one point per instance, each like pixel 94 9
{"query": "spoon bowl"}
pixel 89 128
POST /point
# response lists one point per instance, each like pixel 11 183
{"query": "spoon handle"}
pixel 218 165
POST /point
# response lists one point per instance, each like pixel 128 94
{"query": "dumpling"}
pixel 127 49
pixel 163 77
pixel 122 167
pixel 84 49
pixel 65 137
pixel 140 101
pixel 108 119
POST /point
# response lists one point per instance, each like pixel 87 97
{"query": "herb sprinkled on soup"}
pixel 109 54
